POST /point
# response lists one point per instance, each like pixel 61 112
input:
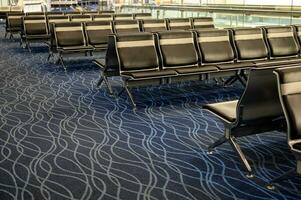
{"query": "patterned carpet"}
pixel 62 138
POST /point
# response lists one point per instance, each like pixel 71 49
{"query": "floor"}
pixel 63 138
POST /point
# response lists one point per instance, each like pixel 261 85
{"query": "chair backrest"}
pixel 106 12
pixel 80 18
pixel 126 26
pixel 35 13
pixel 137 52
pixel 35 25
pixel 202 23
pixel 111 59
pixel 69 34
pixel 72 13
pixel 97 32
pixel 103 17
pixel 289 86
pixel 250 44
pixel 143 16
pixel 57 18
pixel 215 46
pixel 153 25
pixel 14 21
pixel 179 24
pixel 54 13
pixel 123 16
pixel 177 49
pixel 282 41
pixel 260 101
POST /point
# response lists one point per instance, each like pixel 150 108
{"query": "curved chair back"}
pixel 260 101
pixel 289 85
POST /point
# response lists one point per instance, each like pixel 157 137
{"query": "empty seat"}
pixel 126 26
pixel 143 16
pixel 153 25
pixel 80 18
pixel 289 87
pixel 216 48
pixel 97 33
pixel 202 23
pixel 179 24
pixel 123 17
pixel 35 29
pixel 257 111
pixel 142 67
pixel 103 17
pixel 70 38
pixel 284 49
pixel 14 23
pixel 178 52
pixel 250 44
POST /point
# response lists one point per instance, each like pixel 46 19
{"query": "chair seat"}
pixel 235 66
pixel 196 70
pixel 278 62
pixel 76 48
pixel 225 110
pixel 150 74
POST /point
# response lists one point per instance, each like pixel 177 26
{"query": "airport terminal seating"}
pixel 289 87
pixel 198 55
pixel 245 116
pixel 70 38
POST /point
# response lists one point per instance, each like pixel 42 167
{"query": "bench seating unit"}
pixel 70 38
pixel 35 30
pixel 245 116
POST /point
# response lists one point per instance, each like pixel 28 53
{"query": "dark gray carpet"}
pixel 62 138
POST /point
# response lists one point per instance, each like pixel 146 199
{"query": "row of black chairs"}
pixel 158 58
pixel 15 21
pixel 175 55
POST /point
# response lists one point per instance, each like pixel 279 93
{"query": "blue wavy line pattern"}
pixel 62 138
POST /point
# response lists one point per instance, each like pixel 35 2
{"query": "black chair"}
pixel 35 30
pixel 202 23
pixel 70 38
pixel 179 24
pixel 153 25
pixel 289 87
pixel 258 110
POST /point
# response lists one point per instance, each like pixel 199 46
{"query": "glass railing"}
pixel 224 17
